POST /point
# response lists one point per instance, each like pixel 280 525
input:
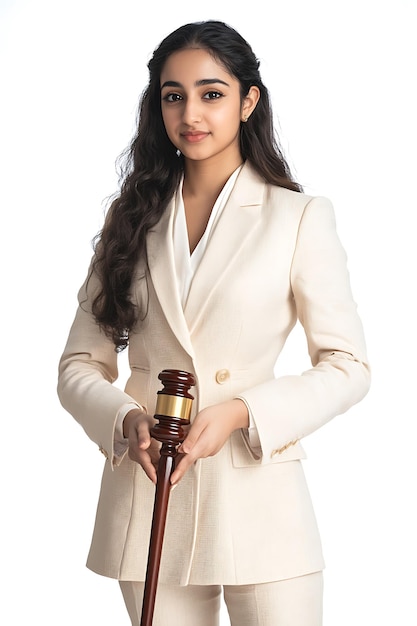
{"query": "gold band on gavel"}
pixel 173 406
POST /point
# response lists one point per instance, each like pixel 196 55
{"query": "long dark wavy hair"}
pixel 151 170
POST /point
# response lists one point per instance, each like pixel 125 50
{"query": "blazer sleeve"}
pixel 291 407
pixel 87 371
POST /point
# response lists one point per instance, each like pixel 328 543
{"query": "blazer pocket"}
pixel 244 456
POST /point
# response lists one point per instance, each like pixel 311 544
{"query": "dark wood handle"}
pixel 173 411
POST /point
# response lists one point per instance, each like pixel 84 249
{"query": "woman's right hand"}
pixel 143 449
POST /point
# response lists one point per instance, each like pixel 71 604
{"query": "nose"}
pixel 192 111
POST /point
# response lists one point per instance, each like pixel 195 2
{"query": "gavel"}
pixel 173 410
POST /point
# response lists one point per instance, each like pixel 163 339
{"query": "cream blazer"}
pixel 244 515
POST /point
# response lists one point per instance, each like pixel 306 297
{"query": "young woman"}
pixel 208 256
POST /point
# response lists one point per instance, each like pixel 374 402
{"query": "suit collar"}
pixel 234 226
pixel 161 264
pixel 229 234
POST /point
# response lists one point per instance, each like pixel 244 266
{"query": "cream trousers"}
pixel 291 602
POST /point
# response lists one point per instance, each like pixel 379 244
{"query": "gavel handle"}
pixel 166 466
pixel 173 409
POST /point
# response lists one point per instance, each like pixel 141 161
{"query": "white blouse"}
pixel 186 264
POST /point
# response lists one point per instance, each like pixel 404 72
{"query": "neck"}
pixel 207 178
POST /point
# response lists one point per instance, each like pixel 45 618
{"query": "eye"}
pixel 212 95
pixel 172 97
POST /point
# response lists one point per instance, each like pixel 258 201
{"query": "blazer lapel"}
pixel 162 270
pixel 229 234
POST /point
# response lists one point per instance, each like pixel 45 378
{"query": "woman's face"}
pixel 201 106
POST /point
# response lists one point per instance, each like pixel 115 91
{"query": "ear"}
pixel 249 103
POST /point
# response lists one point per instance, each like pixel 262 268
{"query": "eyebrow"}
pixel 198 83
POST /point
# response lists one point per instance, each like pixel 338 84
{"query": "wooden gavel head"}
pixel 173 407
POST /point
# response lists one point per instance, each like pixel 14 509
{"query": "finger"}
pixel 148 465
pixel 154 453
pixel 148 458
pixel 187 460
pixel 191 439
pixel 144 436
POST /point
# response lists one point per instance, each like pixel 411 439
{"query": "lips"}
pixel 194 136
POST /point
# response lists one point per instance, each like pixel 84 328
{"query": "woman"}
pixel 208 256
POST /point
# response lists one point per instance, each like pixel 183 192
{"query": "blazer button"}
pixel 222 376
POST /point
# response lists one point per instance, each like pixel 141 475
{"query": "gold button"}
pixel 222 376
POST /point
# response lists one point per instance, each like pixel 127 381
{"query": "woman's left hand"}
pixel 209 432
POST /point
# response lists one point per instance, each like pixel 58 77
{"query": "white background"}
pixel 342 79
